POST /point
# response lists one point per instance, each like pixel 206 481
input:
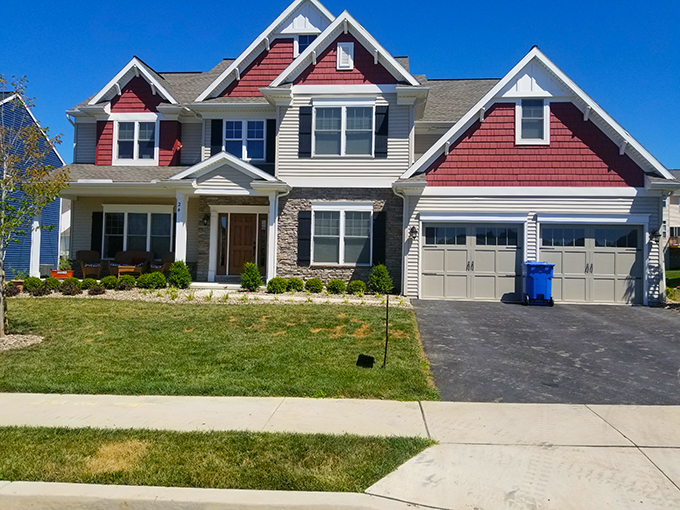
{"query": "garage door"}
pixel 471 261
pixel 594 264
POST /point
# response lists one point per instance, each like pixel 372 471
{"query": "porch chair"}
pixel 140 260
pixel 90 263
pixel 164 265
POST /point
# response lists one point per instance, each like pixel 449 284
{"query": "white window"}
pixel 532 119
pixel 345 56
pixel 341 234
pixel 245 139
pixel 302 42
pixel 139 228
pixel 343 130
pixel 136 143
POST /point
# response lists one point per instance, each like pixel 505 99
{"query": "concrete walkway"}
pixel 489 456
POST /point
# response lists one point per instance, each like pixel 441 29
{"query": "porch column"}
pixel 34 262
pixel 181 227
pixel 212 254
pixel 272 234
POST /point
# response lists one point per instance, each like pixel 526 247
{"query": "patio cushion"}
pixel 87 264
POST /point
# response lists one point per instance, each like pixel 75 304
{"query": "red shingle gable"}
pixel 136 96
pixel 579 154
pixel 104 153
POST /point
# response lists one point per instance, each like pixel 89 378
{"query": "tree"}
pixel 27 183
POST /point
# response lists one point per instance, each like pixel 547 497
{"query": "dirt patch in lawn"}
pixel 118 456
pixel 8 342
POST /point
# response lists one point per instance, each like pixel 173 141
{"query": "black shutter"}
pixel 96 237
pixel 216 136
pixel 381 131
pixel 304 238
pixel 305 134
pixel 271 140
pixel 379 224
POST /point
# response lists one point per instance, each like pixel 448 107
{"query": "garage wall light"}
pixel 413 233
pixel 206 220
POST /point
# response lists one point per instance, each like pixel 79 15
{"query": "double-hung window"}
pixel 343 130
pixel 136 142
pixel 342 234
pixel 245 139
pixel 533 122
pixel 137 228
pixel 303 42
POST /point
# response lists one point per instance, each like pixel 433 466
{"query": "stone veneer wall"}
pixel 204 232
pixel 301 200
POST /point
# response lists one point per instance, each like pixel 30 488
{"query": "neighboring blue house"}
pixel 37 246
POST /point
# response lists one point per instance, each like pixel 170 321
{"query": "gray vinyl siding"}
pixel 634 206
pixel 191 143
pixel 224 178
pixel 357 169
pixel 423 142
pixel 85 134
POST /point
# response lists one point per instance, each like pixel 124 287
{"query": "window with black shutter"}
pixel 381 131
pixel 305 132
pixel 304 238
pixel 379 237
pixel 216 136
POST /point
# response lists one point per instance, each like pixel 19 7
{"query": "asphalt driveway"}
pixel 495 352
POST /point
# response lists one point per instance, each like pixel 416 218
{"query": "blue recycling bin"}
pixel 537 283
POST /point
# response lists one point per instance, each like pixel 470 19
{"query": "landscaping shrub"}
pixel 152 281
pixel 51 284
pixel 88 283
pixel 97 290
pixel 277 285
pixel 295 285
pixel 39 291
pixel 250 278
pixel 31 283
pixel 314 285
pixel 380 281
pixel 109 282
pixel 70 281
pixel 126 282
pixel 11 291
pixel 70 289
pixel 336 287
pixel 356 287
pixel 179 275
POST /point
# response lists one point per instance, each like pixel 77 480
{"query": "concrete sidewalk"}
pixel 490 456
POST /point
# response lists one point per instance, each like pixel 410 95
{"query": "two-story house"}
pixel 317 153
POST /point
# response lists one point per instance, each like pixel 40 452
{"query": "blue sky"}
pixel 624 54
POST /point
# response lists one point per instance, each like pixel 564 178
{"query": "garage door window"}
pixel 496 236
pixel 445 235
pixel 620 237
pixel 563 237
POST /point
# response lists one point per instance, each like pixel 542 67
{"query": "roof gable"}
pixel 302 16
pixel 221 159
pixel 536 75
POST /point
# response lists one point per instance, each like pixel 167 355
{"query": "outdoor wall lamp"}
pixel 655 236
pixel 206 220
pixel 413 233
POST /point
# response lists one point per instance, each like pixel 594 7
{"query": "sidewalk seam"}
pixel 417 505
pixel 272 415
pixel 422 413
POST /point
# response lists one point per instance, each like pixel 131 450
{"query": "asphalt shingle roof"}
pixel 449 100
pixel 81 171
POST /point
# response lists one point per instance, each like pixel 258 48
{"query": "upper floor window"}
pixel 345 56
pixel 136 141
pixel 245 139
pixel 303 42
pixel 533 122
pixel 343 130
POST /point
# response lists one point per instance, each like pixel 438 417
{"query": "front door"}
pixel 242 241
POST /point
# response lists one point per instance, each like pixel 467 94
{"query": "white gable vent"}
pixel 345 55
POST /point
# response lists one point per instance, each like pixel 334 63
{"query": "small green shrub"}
pixel 88 283
pixel 51 284
pixel 152 281
pixel 250 278
pixel 97 290
pixel 380 281
pixel 109 282
pixel 11 291
pixel 356 287
pixel 277 285
pixel 126 282
pixel 70 281
pixel 314 285
pixel 70 289
pixel 179 275
pixel 31 283
pixel 295 285
pixel 336 287
pixel 39 291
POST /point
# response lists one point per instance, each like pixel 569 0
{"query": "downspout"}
pixel 403 240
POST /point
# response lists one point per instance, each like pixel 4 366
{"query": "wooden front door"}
pixel 242 241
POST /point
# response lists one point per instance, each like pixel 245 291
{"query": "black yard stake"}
pixel 387 327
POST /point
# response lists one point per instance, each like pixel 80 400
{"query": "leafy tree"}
pixel 27 183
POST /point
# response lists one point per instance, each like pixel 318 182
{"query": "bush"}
pixel 314 285
pixel 179 275
pixel 11 291
pixel 277 285
pixel 88 283
pixel 356 287
pixel 152 281
pixel 39 291
pixel 295 285
pixel 126 282
pixel 109 282
pixel 97 290
pixel 70 281
pixel 31 283
pixel 51 284
pixel 380 281
pixel 336 287
pixel 70 289
pixel 250 278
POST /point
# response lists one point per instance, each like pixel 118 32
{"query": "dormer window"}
pixel 345 60
pixel 136 143
pixel 533 122
pixel 303 42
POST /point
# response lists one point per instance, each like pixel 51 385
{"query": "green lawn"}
pixel 124 347
pixel 673 278
pixel 227 460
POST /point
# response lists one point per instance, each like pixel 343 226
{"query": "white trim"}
pixel 532 191
pixel 137 208
pixel 138 65
pixel 182 206
pixel 135 117
pixel 337 182
pixel 34 260
pixel 592 219
pixel 518 123
pixel 213 247
pixel 344 49
pixel 492 96
pixel 344 89
pixel 136 161
pixel 268 32
pixel 341 208
pixel 272 235
pixel 346 206
pixel 472 218
pixel 245 209
pixel 219 159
